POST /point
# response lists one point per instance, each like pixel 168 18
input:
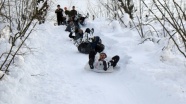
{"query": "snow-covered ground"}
pixel 55 74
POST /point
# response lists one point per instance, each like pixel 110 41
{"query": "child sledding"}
pixel 99 62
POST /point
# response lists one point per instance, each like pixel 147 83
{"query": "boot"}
pixel 104 65
pixel 91 61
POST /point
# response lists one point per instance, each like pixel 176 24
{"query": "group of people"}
pixel 67 17
pixel 64 16
pixel 85 41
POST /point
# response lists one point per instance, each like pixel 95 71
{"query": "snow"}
pixel 19 60
pixel 116 26
pixel 1 73
pixel 55 74
pixel 126 19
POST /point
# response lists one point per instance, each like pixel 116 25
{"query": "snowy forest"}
pixel 18 20
pixel 157 26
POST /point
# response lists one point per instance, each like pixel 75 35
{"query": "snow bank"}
pixel 19 60
pixel 126 19
pixel 1 73
pixel 116 26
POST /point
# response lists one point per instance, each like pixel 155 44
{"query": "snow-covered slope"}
pixel 55 74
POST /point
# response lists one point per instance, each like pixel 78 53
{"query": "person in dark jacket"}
pixel 59 13
pixel 67 12
pixel 73 13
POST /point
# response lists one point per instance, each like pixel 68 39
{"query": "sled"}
pixel 84 48
pixel 110 70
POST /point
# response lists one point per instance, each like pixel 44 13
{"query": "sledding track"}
pixel 55 73
pixel 63 80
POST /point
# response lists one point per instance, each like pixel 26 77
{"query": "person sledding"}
pixel 98 62
pixel 80 19
pixel 90 42
pixel 77 38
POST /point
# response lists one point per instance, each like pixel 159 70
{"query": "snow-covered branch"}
pixel 18 19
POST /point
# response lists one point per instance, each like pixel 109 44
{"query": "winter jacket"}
pixel 59 13
pixel 95 41
pixel 73 13
pixel 67 12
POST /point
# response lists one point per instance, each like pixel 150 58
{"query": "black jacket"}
pixel 73 13
pixel 59 12
pixel 67 12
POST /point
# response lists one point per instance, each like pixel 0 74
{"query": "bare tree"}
pixel 21 17
pixel 117 9
pixel 174 20
pixel 170 14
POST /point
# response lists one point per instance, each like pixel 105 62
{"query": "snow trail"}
pixel 55 74
pixel 60 77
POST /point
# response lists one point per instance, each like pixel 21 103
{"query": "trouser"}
pixel 92 55
pixel 59 20
pixel 64 20
pixel 70 35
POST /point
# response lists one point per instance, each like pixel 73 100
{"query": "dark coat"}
pixel 67 12
pixel 73 13
pixel 59 13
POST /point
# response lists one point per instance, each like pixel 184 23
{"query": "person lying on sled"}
pixel 101 63
pixel 78 34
